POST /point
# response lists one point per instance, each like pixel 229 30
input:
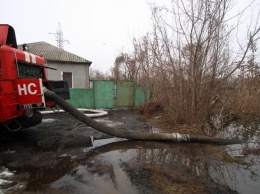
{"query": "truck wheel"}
pixel 26 121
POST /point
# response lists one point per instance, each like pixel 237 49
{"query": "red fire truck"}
pixel 22 78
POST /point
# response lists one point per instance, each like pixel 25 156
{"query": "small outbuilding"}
pixel 70 67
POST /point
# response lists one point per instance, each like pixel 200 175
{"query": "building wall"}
pixel 80 73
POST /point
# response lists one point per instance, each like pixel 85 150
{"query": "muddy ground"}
pixel 62 155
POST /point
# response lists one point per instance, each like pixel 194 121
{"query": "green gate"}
pixel 110 94
pixel 103 94
pixel 125 92
pixel 81 98
pixel 142 94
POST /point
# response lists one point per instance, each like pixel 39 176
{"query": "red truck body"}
pixel 22 78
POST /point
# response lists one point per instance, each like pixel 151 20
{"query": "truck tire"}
pixel 31 121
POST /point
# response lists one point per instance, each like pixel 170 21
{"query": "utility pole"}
pixel 59 37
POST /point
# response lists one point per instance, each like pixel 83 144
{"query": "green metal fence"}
pixel 110 94
pixel 82 98
pixel 125 92
pixel 103 94
pixel 142 94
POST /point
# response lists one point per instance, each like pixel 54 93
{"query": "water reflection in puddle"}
pixel 99 175
pixel 112 166
pixel 244 177
pixel 117 165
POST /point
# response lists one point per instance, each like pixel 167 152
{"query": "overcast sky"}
pixel 97 30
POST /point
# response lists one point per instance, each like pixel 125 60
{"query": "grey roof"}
pixel 53 53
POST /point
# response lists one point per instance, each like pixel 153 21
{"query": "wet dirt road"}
pixel 58 156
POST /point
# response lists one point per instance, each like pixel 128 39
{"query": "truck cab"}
pixel 22 78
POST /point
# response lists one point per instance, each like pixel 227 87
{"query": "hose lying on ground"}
pixel 95 113
pixel 175 137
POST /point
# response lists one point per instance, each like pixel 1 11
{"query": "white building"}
pixel 70 67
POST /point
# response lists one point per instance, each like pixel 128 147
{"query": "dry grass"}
pixel 245 101
pixel 151 107
pixel 240 104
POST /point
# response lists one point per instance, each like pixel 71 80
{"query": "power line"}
pixel 59 37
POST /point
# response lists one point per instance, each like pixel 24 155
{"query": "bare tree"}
pixel 96 74
pixel 125 68
pixel 187 58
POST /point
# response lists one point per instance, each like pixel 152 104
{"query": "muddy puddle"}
pixel 59 157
